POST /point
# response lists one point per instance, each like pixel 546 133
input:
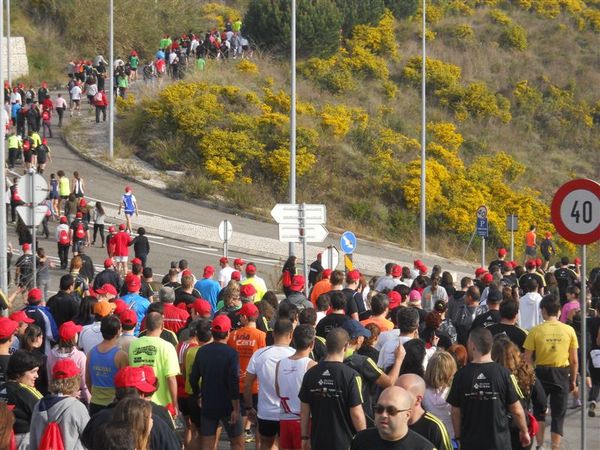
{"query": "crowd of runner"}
pixel 410 359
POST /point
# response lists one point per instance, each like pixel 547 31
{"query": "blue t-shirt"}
pixel 209 290
pixel 140 305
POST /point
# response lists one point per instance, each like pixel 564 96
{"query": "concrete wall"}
pixel 18 58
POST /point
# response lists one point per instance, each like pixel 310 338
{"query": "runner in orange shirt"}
pixel 379 307
pixel 321 287
pixel 246 341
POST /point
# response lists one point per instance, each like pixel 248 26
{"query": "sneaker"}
pixel 576 404
pixel 592 409
pixel 248 436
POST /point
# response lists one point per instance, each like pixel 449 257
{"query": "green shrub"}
pixel 514 37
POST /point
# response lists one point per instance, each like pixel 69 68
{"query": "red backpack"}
pixel 52 438
pixel 63 238
pixel 287 279
pixel 80 231
pixel 26 145
pixel 45 115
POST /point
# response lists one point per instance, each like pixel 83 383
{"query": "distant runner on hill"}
pixel 129 206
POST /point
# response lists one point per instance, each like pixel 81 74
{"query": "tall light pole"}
pixel 423 129
pixel 111 84
pixel 8 64
pixel 293 117
pixel 3 233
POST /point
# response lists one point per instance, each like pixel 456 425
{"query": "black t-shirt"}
pixel 463 321
pixel 42 153
pixel 495 263
pixel 524 279
pixel 63 307
pixel 3 366
pixel 328 323
pixel 483 393
pixel 108 276
pixel 432 429
pixel 369 351
pixel 25 265
pixel 369 440
pixel 486 319
pixel 565 277
pixel 331 389
pixel 370 373
pixel 319 350
pixel 514 333
pixel 354 302
pixel 181 296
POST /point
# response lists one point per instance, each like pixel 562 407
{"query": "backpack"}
pixel 286 280
pixel 52 438
pixel 98 97
pixel 45 115
pixel 26 145
pixel 80 231
pixel 63 238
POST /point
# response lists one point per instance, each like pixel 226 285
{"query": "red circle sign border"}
pixel 563 191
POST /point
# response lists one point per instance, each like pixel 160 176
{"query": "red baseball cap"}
pixel 65 368
pixel 122 226
pixel 502 252
pixel 187 273
pixel 397 270
pixel 20 316
pixel 236 275
pixel 35 295
pixel 112 229
pixel 26 246
pixel 297 283
pixel 250 269
pixel 63 219
pixel 487 278
pixel 208 271
pixel 417 263
pixel 108 262
pixel 239 262
pixel 221 324
pixel 107 288
pixel 150 375
pixel 128 317
pixel 7 327
pixel 353 275
pixel 423 268
pixel 134 377
pixel 127 188
pixel 247 290
pixel 136 261
pixel 326 273
pixel 480 271
pixel 248 310
pixel 69 330
pixel 133 282
pixel 202 307
pixel 224 260
pixel 120 305
pixel 79 215
pixel 530 264
pixel 82 202
pixel 577 261
pixel 538 262
pixel 395 299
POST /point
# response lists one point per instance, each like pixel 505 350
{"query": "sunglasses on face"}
pixel 390 410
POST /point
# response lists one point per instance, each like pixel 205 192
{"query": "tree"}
pixel 359 12
pixel 402 8
pixel 268 24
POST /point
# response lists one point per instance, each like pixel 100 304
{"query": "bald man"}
pixel 392 413
pixel 421 421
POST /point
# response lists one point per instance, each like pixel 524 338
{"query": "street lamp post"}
pixel 423 129
pixel 111 84
pixel 8 64
pixel 3 232
pixel 293 117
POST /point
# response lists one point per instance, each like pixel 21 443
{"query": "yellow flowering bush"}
pixel 500 17
pixel 337 118
pixel 439 75
pixel 464 33
pixel 527 97
pixel 218 13
pixel 445 134
pixel 514 37
pixel 247 66
pixel 277 163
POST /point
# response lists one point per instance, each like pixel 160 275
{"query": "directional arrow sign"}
pixel 290 213
pixel 25 214
pixel 291 233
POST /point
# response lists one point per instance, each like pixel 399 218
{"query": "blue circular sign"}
pixel 348 242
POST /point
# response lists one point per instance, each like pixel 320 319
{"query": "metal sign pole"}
pixel 512 245
pixel 8 64
pixel 226 240
pixel 302 217
pixel 482 252
pixel 3 226
pixel 33 227
pixel 111 84
pixel 292 186
pixel 423 219
pixel 330 258
pixel 583 362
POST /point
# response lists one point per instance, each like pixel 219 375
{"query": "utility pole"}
pixel 293 118
pixel 111 85
pixel 3 231
pixel 423 129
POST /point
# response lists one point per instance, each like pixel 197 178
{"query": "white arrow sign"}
pixel 25 214
pixel 291 233
pixel 290 214
pixel 40 188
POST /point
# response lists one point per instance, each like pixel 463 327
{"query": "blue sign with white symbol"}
pixel 482 227
pixel 348 242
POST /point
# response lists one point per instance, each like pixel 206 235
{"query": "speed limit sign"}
pixel 576 211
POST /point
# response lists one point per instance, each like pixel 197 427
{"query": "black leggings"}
pixel 99 228
pixel 556 385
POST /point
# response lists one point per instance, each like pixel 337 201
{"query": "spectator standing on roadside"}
pixel 100 103
pixel 331 395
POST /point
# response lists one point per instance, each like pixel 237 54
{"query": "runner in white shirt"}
pixel 530 314
pixel 76 98
pixel 262 367
pixel 289 373
pixel 408 324
pixel 225 272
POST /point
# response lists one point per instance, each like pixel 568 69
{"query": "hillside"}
pixel 512 114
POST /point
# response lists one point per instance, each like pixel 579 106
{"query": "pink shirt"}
pixel 76 356
pixel 567 308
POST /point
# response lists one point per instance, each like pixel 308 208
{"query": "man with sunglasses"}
pixel 392 413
